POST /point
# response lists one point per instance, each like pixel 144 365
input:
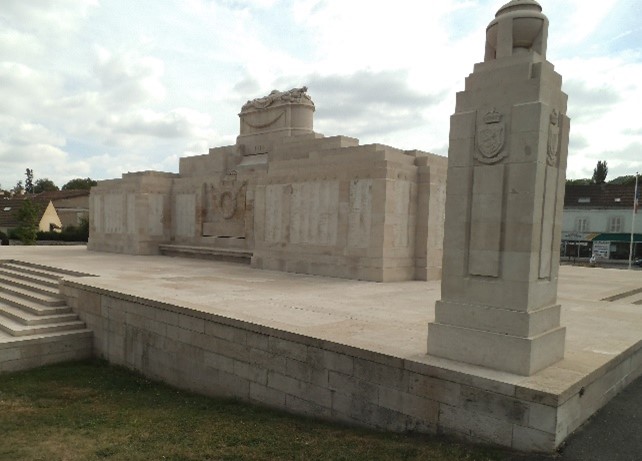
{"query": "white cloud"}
pixel 48 17
pixel 15 44
pixel 129 78
pixel 25 134
pixel 178 123
pixel 119 86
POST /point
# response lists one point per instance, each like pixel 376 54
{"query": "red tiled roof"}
pixel 62 194
pixel 9 208
pixel 599 196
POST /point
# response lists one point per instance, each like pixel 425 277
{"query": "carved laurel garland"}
pixel 264 125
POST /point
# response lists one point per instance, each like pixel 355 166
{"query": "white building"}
pixel 598 219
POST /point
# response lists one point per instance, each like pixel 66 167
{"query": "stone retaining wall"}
pixel 219 356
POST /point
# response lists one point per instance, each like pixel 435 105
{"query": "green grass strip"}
pixel 94 411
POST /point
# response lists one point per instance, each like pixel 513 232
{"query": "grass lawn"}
pixel 95 411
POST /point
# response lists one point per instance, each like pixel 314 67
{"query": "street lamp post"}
pixel 635 209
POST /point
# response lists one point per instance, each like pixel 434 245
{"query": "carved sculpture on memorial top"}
pixel 295 95
pixel 268 119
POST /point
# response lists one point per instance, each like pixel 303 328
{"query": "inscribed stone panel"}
pixel 156 203
pixel 274 196
pixel 114 213
pixel 314 212
pixel 131 214
pixel 486 220
pixel 185 212
pixel 360 214
pixel 97 209
pixel 401 197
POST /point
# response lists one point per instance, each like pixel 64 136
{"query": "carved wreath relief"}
pixel 553 139
pixel 226 198
pixel 490 138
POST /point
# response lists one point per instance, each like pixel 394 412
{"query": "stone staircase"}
pixel 36 325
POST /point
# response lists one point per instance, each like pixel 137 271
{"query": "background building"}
pixel 597 220
pixel 72 206
pixel 48 219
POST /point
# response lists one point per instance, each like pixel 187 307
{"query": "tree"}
pixel 18 189
pixel 578 182
pixel 28 217
pixel 44 185
pixel 29 181
pixel 627 180
pixel 80 184
pixel 600 172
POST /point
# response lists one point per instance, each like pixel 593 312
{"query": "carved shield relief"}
pixel 490 138
pixel 553 139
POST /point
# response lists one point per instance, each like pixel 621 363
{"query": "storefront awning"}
pixel 617 237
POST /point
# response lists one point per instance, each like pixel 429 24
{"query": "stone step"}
pixel 15 328
pixel 215 253
pixel 11 282
pixel 21 296
pixel 41 270
pixel 633 296
pixel 42 279
pixel 27 318
pixel 16 266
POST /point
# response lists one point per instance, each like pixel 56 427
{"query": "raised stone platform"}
pixel 347 350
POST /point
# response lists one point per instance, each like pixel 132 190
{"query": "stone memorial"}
pixel 286 198
pixel 506 175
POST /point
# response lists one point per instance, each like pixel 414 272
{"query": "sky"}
pixel 97 88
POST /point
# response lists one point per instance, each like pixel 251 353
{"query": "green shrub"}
pixel 4 238
pixel 28 215
pixel 78 233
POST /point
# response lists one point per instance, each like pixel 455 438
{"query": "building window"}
pixel 582 225
pixel 615 224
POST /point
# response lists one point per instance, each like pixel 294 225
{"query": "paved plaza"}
pixel 389 318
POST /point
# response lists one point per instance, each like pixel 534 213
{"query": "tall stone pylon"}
pixel 504 199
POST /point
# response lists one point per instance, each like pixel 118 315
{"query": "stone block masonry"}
pixel 218 356
pixel 37 351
